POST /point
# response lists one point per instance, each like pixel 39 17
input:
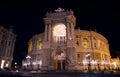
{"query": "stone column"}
pixel 72 31
pixel 13 40
pixel 45 60
pixel 10 44
pixel 71 58
pixel 35 43
pixel 49 34
pixel 0 40
pixel 46 48
pixel 9 47
pixel 45 34
pixel 6 47
pixel 12 47
pixel 68 31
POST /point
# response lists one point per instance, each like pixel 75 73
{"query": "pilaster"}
pixel 68 31
pixel 49 34
pixel 45 34
pixel 71 58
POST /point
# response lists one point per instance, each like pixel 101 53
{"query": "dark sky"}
pixel 26 17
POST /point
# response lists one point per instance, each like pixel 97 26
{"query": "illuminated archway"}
pixel 59 57
pixel 59 32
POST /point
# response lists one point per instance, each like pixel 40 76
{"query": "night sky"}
pixel 26 17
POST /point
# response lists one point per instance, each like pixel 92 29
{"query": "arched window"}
pixel 30 46
pixel 77 36
pixel 59 33
pixel 95 42
pixel 39 44
pixel 77 43
pixel 78 55
pixel 59 30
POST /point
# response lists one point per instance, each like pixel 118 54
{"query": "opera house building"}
pixel 62 47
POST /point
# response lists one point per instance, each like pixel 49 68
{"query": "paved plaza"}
pixel 60 74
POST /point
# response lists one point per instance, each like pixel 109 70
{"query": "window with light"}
pixel 59 32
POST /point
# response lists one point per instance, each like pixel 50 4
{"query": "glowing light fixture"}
pixel 40 62
pixel 85 62
pixel 28 57
pixel 2 64
pixel 6 65
pixel 115 64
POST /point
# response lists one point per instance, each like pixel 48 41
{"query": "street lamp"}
pixel 28 61
pixel 28 57
pixel 88 57
pixel 39 63
pixel 15 63
pixel 16 66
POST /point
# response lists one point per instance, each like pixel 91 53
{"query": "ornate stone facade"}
pixel 7 42
pixel 62 47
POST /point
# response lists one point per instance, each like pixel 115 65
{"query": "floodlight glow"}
pixel 7 65
pixel 2 64
pixel 28 57
pixel 59 30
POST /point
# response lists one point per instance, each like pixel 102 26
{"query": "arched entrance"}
pixel 59 59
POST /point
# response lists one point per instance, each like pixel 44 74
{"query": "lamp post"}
pixel 16 66
pixel 39 64
pixel 28 57
pixel 28 61
pixel 89 64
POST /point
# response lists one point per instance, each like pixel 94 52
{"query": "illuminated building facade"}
pixel 62 47
pixel 115 63
pixel 7 42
